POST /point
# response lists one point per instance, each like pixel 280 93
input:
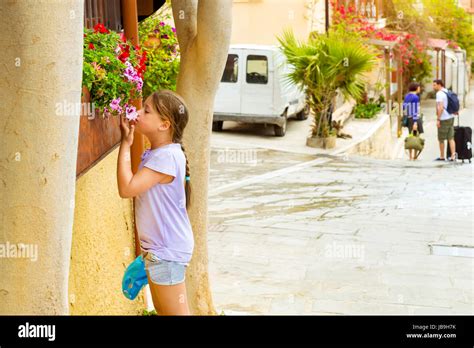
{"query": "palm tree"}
pixel 322 66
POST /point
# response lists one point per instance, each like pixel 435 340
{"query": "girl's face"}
pixel 149 121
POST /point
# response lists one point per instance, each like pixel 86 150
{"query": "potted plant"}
pixel 324 66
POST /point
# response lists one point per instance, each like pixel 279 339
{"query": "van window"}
pixel 257 69
pixel 231 71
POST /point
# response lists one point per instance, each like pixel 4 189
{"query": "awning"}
pixel 439 44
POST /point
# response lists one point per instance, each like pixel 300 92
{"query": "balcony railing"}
pixel 371 9
pixel 107 12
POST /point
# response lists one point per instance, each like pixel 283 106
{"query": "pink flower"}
pixel 115 105
pixel 130 112
pixel 106 112
pixel 132 75
pixel 96 66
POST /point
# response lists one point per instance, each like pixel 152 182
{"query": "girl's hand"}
pixel 127 132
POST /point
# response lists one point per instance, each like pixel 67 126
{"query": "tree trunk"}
pixel 40 86
pixel 203 30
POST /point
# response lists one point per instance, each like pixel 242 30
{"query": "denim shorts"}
pixel 163 272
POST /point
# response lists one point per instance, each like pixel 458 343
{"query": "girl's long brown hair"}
pixel 171 107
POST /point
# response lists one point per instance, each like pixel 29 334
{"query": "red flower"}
pixel 143 59
pixel 125 52
pixel 100 28
pixel 91 46
pixel 122 37
pixel 140 70
pixel 123 56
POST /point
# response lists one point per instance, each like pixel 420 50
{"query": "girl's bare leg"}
pixel 170 299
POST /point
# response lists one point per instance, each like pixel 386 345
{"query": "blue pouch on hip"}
pixel 134 278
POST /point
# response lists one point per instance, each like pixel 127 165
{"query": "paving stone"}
pixel 344 237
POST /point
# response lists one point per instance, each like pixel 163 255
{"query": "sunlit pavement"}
pixel 294 234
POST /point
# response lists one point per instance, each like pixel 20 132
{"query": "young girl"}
pixel 162 193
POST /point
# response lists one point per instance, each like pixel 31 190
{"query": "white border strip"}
pixel 296 167
pixel 267 176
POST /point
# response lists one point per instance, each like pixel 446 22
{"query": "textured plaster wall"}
pixel 102 246
pixel 378 144
pixel 249 17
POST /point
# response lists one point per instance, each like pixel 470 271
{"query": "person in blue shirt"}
pixel 411 107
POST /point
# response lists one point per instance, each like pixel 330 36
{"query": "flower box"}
pixel 98 135
pixel 112 78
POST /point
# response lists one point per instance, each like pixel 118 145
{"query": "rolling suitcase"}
pixel 463 140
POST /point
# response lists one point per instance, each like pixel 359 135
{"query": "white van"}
pixel 254 89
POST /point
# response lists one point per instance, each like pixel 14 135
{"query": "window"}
pixel 257 69
pixel 231 71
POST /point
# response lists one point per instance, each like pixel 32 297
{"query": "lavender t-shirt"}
pixel 162 220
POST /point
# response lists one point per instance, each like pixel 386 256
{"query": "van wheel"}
pixel 280 131
pixel 217 126
pixel 303 114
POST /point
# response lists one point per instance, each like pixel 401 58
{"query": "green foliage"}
pixel 405 16
pixel 160 42
pixel 149 313
pixel 328 132
pixel 322 66
pixel 452 21
pixel 416 60
pixel 439 18
pixel 402 15
pixel 367 111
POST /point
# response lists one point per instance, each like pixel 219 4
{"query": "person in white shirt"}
pixel 445 121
